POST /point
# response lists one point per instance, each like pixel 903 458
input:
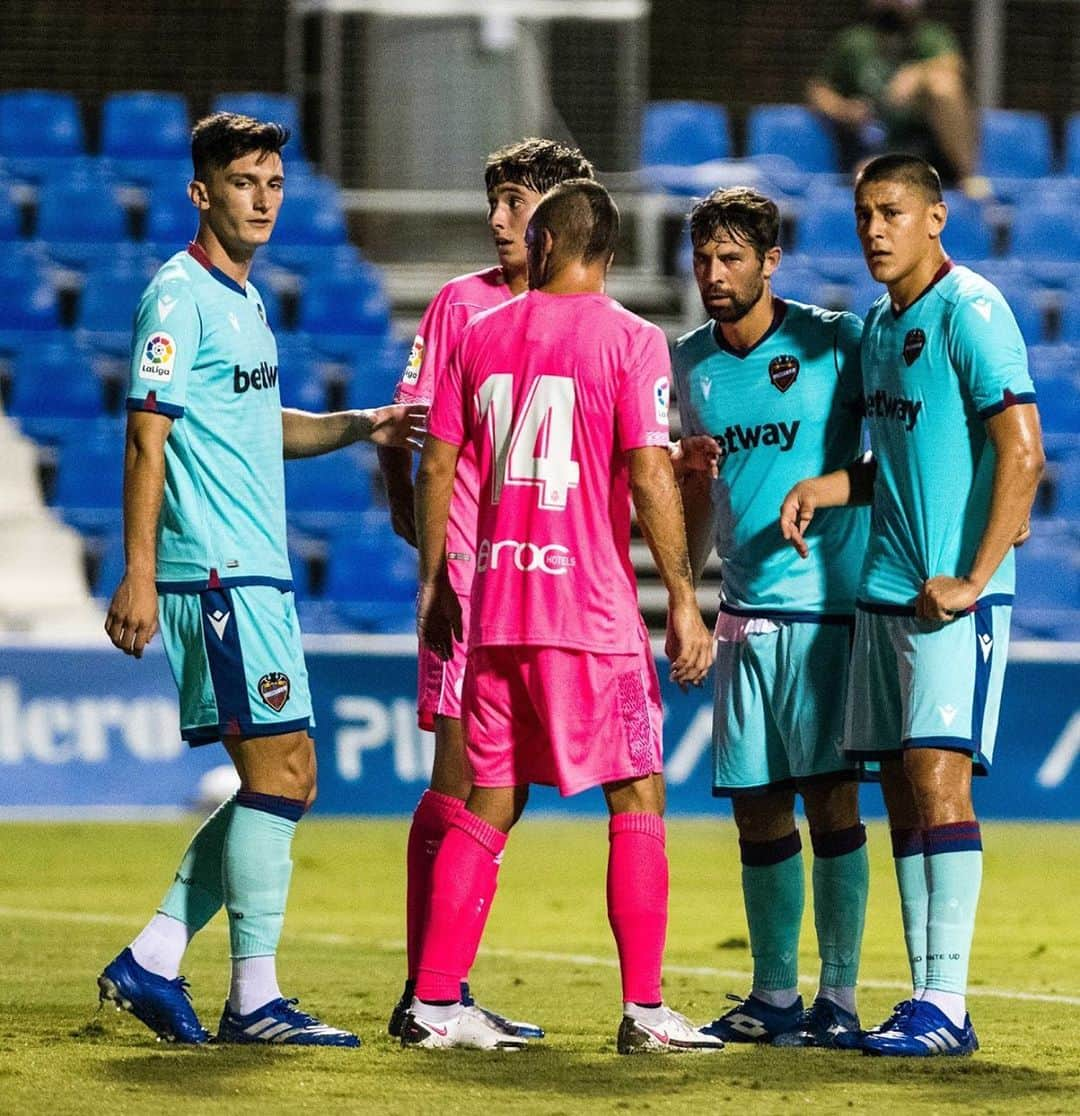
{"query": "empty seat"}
pixel 55 378
pixel 300 375
pixel 968 236
pixel 280 108
pixel 342 305
pixel 1070 314
pixel 311 214
pixel 27 302
pixel 328 491
pixel 1046 241
pixel 794 131
pixel 145 125
pixel 78 219
pixel 89 484
pixel 171 222
pixel 36 123
pixel 682 133
pixel 10 217
pixel 109 298
pixel 371 577
pixel 1015 144
pixel 1072 145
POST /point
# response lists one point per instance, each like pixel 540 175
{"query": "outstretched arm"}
pixel 1017 441
pixel 853 485
pixel 132 618
pixel 305 434
pixel 659 513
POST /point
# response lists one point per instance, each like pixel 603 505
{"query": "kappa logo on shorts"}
pixel 914 343
pixel 783 371
pixel 274 689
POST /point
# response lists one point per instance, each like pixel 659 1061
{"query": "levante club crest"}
pixel 783 371
pixel 274 689
pixel 914 343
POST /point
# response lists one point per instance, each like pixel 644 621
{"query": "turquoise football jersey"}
pixel 785 410
pixel 932 375
pixel 203 354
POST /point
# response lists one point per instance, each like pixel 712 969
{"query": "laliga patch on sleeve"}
pixel 661 396
pixel 416 359
pixel 158 358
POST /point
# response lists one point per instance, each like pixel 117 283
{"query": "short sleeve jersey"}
pixel 932 375
pixel 437 337
pixel 786 409
pixel 551 392
pixel 204 355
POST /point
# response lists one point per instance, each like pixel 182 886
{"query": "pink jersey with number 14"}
pixel 550 392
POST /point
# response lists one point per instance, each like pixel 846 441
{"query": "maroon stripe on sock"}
pixel 957 837
pixel 763 854
pixel 838 842
pixel 906 842
pixel 292 809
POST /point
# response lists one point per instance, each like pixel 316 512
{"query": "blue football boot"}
pixel 825 1024
pixel 754 1020
pixel 279 1023
pixel 923 1032
pixel 163 1005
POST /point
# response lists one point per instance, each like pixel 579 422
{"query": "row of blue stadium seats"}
pixel 136 127
pixel 1014 144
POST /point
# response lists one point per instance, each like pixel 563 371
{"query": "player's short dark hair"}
pixel 582 219
pixel 218 139
pixel 538 164
pixel 745 215
pixel 908 169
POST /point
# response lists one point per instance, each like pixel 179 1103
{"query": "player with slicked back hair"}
pixel 204 540
pixel 776 384
pixel 515 177
pixel 561 395
pixel 957 455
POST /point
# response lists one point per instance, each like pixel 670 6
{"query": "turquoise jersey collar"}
pixel 779 313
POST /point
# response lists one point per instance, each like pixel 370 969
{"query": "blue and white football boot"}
pixel 754 1020
pixel 923 1032
pixel 279 1023
pixel 825 1024
pixel 163 1005
pixel 510 1027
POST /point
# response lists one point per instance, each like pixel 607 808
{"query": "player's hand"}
pixel 438 616
pixel 696 454
pixel 132 619
pixel 944 598
pixel 397 424
pixel 688 646
pixel 1023 534
pixel 796 512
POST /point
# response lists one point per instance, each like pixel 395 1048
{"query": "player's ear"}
pixel 200 196
pixel 771 261
pixel 939 214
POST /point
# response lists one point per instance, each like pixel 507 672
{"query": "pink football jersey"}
pixel 436 338
pixel 549 392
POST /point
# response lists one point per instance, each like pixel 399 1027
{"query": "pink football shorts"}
pixel 438 683
pixel 565 718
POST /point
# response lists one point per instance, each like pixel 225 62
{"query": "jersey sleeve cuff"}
pixel 154 405
pixel 1009 399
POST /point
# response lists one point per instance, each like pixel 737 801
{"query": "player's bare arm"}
pixel 132 619
pixel 1017 440
pixel 851 486
pixel 699 520
pixel 395 463
pixel 305 434
pixel 659 513
pixel 438 611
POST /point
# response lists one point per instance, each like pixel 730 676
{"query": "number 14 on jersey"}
pixel 533 447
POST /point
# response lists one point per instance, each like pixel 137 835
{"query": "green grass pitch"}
pixel 71 895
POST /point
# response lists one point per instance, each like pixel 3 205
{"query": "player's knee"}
pixel 765 817
pixel 832 806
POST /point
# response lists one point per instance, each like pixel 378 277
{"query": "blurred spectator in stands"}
pixel 896 82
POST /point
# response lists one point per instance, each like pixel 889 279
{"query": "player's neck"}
pixel 908 287
pixel 236 264
pixel 517 281
pixel 752 326
pixel 576 277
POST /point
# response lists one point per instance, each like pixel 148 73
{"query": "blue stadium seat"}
pixel 37 124
pixel 374 371
pixel 1059 400
pixel 281 108
pixel 1046 241
pixel 141 126
pixel 109 298
pixel 825 233
pixel 27 302
pixel 1026 306
pixel 171 221
pixel 679 134
pixel 53 377
pixel 968 236
pixel 1015 144
pixel 311 214
pixel 794 131
pixel 10 217
pixel 1070 314
pixel 109 566
pixel 300 260
pixel 79 220
pixel 1072 145
pixel 323 493
pixel 89 484
pixel 334 309
pixel 371 577
pixel 300 375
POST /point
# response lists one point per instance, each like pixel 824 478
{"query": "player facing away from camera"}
pixel 776 384
pixel 204 539
pixel 516 177
pixel 562 395
pixel 957 455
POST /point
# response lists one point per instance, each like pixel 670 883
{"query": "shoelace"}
pixel 298 1018
pixel 182 986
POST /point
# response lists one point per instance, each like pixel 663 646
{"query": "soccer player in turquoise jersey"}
pixel 776 384
pixel 957 455
pixel 204 538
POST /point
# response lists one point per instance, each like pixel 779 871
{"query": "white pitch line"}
pixel 584 959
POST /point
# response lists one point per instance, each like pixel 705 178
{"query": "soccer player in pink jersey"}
pixel 516 177
pixel 561 395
